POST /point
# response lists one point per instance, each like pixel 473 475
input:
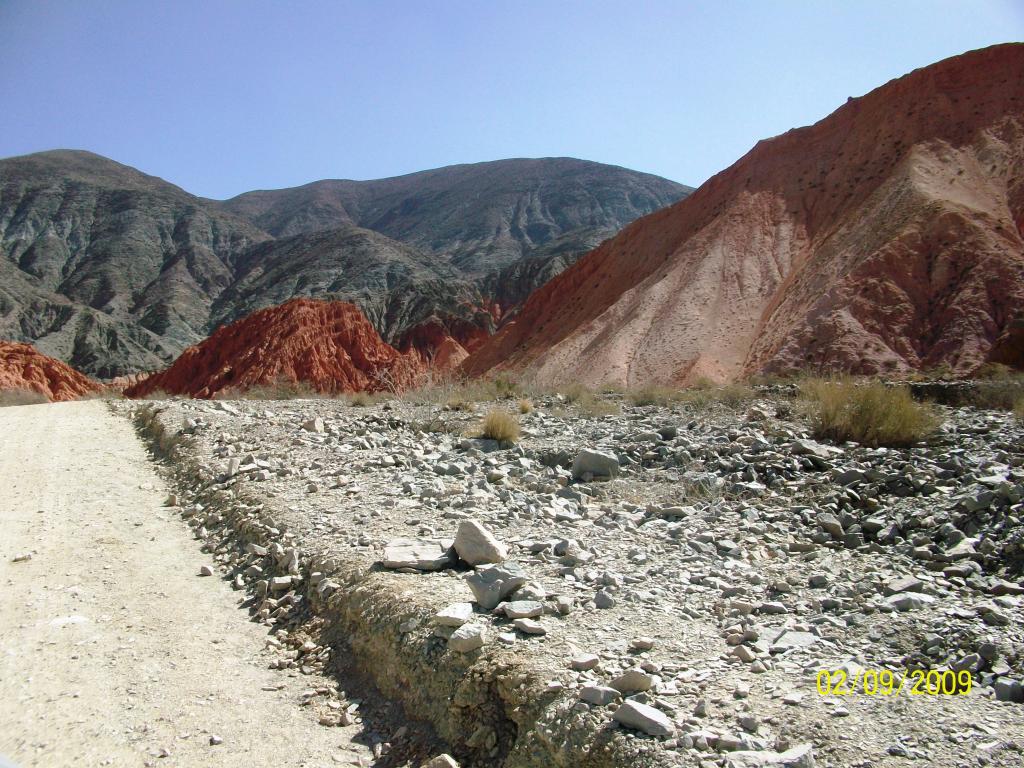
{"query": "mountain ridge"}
pixel 117 271
pixel 771 264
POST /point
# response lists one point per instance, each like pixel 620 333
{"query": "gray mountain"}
pixel 482 217
pixel 115 271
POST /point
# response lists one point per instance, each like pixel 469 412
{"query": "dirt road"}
pixel 113 651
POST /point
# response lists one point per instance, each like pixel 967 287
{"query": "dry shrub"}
pixel 586 401
pixel 1018 410
pixel 701 393
pixel 362 399
pixel 574 393
pixel 654 395
pixel 525 406
pixel 10 397
pixel 999 392
pixel 500 425
pixel 871 414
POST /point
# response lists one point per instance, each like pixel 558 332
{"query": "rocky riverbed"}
pixel 657 586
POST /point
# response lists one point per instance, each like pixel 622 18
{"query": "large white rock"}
pixel 800 756
pixel 467 638
pixel 644 718
pixel 455 615
pixel 419 554
pixel 475 545
pixel 492 584
pixel 596 463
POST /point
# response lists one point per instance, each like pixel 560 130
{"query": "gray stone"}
pixel 467 638
pixel 418 554
pixel 493 584
pixel 903 584
pixel 524 609
pixel 604 600
pixel 442 761
pixel 644 718
pixel 1009 690
pixel 475 545
pixel 314 425
pixel 530 627
pixel 632 681
pixel 454 615
pixel 585 662
pixel 800 756
pixel 596 463
pixel 599 695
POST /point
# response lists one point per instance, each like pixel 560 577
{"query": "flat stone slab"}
pixel 644 718
pixel 417 554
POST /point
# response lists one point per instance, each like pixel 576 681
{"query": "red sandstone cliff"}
pixel 885 238
pixel 23 368
pixel 329 346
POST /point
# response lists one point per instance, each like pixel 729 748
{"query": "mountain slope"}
pixel 482 216
pixel 886 237
pixel 105 267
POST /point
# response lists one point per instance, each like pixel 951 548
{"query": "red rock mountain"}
pixel 885 238
pixel 329 346
pixel 23 368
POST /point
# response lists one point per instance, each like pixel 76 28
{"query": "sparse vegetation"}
pixel 654 395
pixel 872 414
pixel 1018 410
pixel 525 406
pixel 1001 391
pixel 11 397
pixel 700 394
pixel 362 399
pixel 500 425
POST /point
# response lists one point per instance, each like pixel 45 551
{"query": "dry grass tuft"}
pixel 1018 410
pixel 500 425
pixel 525 406
pixel 871 414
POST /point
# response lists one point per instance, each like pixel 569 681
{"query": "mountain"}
pixel 105 267
pixel 24 369
pixel 329 346
pixel 117 272
pixel 481 217
pixel 885 238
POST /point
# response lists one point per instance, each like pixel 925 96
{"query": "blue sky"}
pixel 224 96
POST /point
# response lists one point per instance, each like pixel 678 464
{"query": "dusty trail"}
pixel 112 650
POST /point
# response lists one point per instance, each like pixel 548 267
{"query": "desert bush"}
pixel 734 395
pixel 362 399
pixel 872 414
pixel 10 397
pixel 999 392
pixel 525 406
pixel 500 425
pixel 654 395
pixel 574 393
pixel 1018 410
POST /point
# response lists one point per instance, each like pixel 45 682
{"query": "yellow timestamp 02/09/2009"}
pixel 885 682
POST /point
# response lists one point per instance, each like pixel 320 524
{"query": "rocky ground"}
pixel 671 580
